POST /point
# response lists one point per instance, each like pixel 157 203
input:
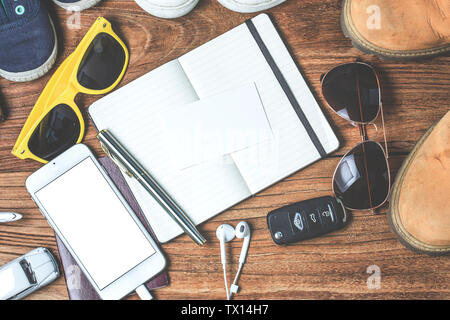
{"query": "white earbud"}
pixel 226 233
pixel 243 232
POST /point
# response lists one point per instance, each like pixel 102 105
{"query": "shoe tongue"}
pixel 13 10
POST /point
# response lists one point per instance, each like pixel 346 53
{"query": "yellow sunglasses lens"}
pixel 57 131
pixel 102 64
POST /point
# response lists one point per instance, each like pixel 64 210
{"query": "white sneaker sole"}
pixel 35 73
pixel 167 12
pixel 79 6
pixel 243 7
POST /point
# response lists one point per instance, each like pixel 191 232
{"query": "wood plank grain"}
pixel 415 95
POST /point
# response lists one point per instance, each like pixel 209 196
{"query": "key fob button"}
pixel 278 235
pixel 326 214
pixel 313 220
pixel 297 221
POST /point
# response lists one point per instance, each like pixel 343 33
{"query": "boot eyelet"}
pixel 20 10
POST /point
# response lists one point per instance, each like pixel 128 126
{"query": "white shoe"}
pixel 246 6
pixel 77 6
pixel 167 8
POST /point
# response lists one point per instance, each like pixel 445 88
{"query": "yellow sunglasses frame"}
pixel 63 88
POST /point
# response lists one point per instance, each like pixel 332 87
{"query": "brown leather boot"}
pixel 419 211
pixel 398 29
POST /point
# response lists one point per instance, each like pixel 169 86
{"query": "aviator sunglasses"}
pixel 362 179
pixel 55 124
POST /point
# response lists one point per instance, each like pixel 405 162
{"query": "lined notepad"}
pixel 226 62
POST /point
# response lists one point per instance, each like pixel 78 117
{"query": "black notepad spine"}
pixel 287 90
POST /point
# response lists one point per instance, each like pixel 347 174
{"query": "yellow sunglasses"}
pixel 55 124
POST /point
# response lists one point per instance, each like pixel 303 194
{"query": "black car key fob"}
pixel 306 219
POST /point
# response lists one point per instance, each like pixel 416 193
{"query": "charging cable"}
pixel 143 293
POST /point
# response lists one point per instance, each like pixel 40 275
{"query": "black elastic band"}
pixel 287 90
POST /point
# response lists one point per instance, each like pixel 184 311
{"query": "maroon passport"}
pixel 78 286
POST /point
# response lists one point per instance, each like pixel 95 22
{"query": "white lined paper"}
pixel 226 62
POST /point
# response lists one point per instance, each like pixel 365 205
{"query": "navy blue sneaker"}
pixel 76 5
pixel 27 40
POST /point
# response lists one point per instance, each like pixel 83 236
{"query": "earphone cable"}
pixel 226 282
pixel 238 273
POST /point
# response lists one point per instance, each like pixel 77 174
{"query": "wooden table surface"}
pixel 330 267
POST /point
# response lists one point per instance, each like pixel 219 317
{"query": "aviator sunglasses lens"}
pixel 58 131
pixel 361 180
pixel 102 63
pixel 352 91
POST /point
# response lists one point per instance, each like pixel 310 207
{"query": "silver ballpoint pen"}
pixel 130 166
pixel 9 217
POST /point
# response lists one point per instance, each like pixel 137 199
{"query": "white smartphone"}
pixel 95 223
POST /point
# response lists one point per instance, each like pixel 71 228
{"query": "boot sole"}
pixel 76 7
pixel 35 73
pixel 395 224
pixel 366 47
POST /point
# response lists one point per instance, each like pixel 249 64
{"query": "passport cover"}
pixel 78 286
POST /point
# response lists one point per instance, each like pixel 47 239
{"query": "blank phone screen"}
pixel 96 225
